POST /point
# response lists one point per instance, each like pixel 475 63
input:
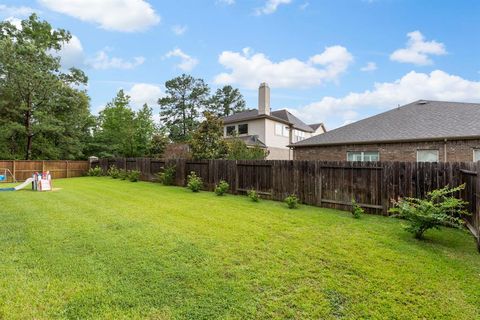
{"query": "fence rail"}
pixel 373 185
pixel 24 169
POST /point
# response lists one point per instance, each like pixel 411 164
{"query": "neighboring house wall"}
pixel 456 150
pixel 255 127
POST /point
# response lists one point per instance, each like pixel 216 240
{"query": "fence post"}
pixel 476 219
pixel 14 164
pixel 68 173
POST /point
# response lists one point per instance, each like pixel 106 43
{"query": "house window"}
pixel 230 130
pixel 282 130
pixel 363 156
pixel 476 155
pixel 243 128
pixel 299 135
pixel 427 155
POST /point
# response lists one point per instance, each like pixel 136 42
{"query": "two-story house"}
pixel 273 130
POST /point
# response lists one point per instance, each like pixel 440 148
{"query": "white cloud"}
pixel 179 30
pixel 15 21
pixel 437 85
pixel 72 54
pixel 187 63
pixel 103 61
pixel 418 50
pixel 271 6
pixel 21 11
pixel 304 6
pixel 141 93
pixel 370 66
pixel 118 15
pixel 249 70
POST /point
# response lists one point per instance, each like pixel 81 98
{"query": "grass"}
pixel 102 248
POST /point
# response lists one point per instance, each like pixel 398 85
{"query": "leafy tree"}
pixel 226 101
pixel 207 141
pixel 158 144
pixel 180 109
pixel 43 112
pixel 144 130
pixel 237 149
pixel 439 208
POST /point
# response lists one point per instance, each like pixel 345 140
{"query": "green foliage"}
pixel 133 175
pixel 158 144
pixel 237 149
pixel 122 132
pixel 221 188
pixel 123 174
pixel 439 208
pixel 253 195
pixel 167 176
pixel 292 201
pixel 44 112
pixel 226 101
pixel 95 172
pixel 180 109
pixel 207 141
pixel 357 211
pixel 194 182
pixel 113 172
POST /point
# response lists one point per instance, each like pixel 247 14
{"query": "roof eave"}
pixel 383 141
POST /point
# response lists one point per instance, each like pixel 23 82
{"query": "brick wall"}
pixel 457 150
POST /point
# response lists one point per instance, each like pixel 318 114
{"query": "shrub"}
pixel 439 208
pixel 95 172
pixel 167 177
pixel 194 182
pixel 122 174
pixel 292 201
pixel 221 188
pixel 253 195
pixel 357 211
pixel 113 172
pixel 133 175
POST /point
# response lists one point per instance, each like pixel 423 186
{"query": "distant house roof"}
pixel 283 116
pixel 251 140
pixel 422 120
pixel 315 126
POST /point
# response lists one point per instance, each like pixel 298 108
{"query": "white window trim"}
pixel 436 150
pixel 363 155
pixel 238 130
pixel 473 158
pixel 284 126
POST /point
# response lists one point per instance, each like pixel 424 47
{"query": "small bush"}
pixel 194 182
pixel 113 172
pixel 167 177
pixel 253 195
pixel 222 188
pixel 439 208
pixel 292 201
pixel 134 175
pixel 122 174
pixel 95 172
pixel 357 211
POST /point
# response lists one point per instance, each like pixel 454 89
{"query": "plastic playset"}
pixel 39 181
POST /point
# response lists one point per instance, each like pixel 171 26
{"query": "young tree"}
pixel 238 150
pixel 226 101
pixel 207 141
pixel 144 130
pixel 180 109
pixel 33 88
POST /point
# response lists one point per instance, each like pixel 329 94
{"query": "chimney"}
pixel 264 99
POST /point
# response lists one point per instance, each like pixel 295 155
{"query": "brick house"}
pixel 424 131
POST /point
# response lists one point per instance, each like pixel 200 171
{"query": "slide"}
pixel 21 186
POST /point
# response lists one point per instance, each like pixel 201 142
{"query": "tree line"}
pixel 45 109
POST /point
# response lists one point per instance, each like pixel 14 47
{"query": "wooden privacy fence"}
pixel 24 169
pixel 373 185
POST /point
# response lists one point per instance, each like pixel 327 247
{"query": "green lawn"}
pixel 102 248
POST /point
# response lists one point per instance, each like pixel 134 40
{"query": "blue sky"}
pixel 329 61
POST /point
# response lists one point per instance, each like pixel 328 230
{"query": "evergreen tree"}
pixel 226 101
pixel 185 98
pixel 207 141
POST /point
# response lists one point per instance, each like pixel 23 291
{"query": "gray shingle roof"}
pixel 251 140
pixel 420 120
pixel 279 115
pixel 315 126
